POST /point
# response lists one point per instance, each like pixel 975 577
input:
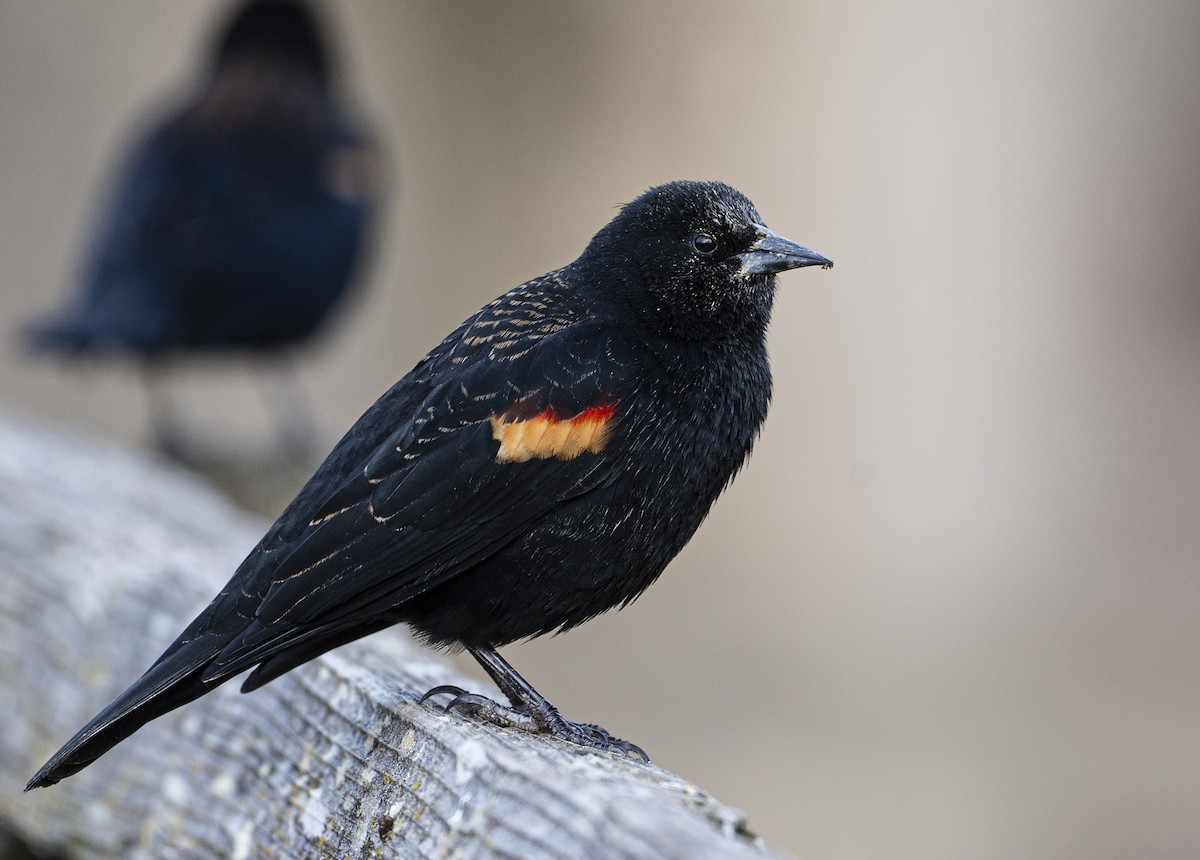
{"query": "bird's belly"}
pixel 576 564
pixel 598 551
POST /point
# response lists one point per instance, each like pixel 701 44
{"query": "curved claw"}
pixel 607 741
pixel 598 737
pixel 631 749
pixel 450 689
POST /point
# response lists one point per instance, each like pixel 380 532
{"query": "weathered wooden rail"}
pixel 106 553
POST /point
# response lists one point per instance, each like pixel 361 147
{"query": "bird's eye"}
pixel 704 244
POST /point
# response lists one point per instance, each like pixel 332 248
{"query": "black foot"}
pixel 548 722
pixel 530 712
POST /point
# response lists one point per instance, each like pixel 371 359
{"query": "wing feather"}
pixel 433 499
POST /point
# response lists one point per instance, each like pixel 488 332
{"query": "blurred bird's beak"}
pixel 775 253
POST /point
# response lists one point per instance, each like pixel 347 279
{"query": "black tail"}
pixel 171 682
pixel 56 336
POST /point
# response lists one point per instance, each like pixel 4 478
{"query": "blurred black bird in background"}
pixel 540 466
pixel 237 223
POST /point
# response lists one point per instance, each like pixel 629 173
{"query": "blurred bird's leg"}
pixel 290 408
pixel 530 710
pixel 169 436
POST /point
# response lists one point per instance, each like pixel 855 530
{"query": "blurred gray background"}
pixel 950 609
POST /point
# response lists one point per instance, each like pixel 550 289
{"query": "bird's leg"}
pixel 169 437
pixel 294 415
pixel 529 711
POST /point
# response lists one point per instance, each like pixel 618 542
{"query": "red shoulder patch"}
pixel 548 435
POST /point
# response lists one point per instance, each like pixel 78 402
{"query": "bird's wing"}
pixel 492 449
pixel 153 234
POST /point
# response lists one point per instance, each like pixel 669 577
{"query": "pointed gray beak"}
pixel 774 253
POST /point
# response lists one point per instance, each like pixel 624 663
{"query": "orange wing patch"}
pixel 546 435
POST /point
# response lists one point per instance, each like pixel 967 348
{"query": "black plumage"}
pixel 239 220
pixel 541 465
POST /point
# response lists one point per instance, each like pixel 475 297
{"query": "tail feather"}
pixel 57 336
pixel 169 684
pixel 302 649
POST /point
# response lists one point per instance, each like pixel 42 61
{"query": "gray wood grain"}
pixel 105 554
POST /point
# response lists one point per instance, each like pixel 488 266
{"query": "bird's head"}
pixel 698 257
pixel 275 32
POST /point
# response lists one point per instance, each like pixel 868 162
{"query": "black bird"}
pixel 238 221
pixel 540 466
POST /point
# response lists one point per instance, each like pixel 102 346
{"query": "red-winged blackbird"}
pixel 239 220
pixel 540 466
